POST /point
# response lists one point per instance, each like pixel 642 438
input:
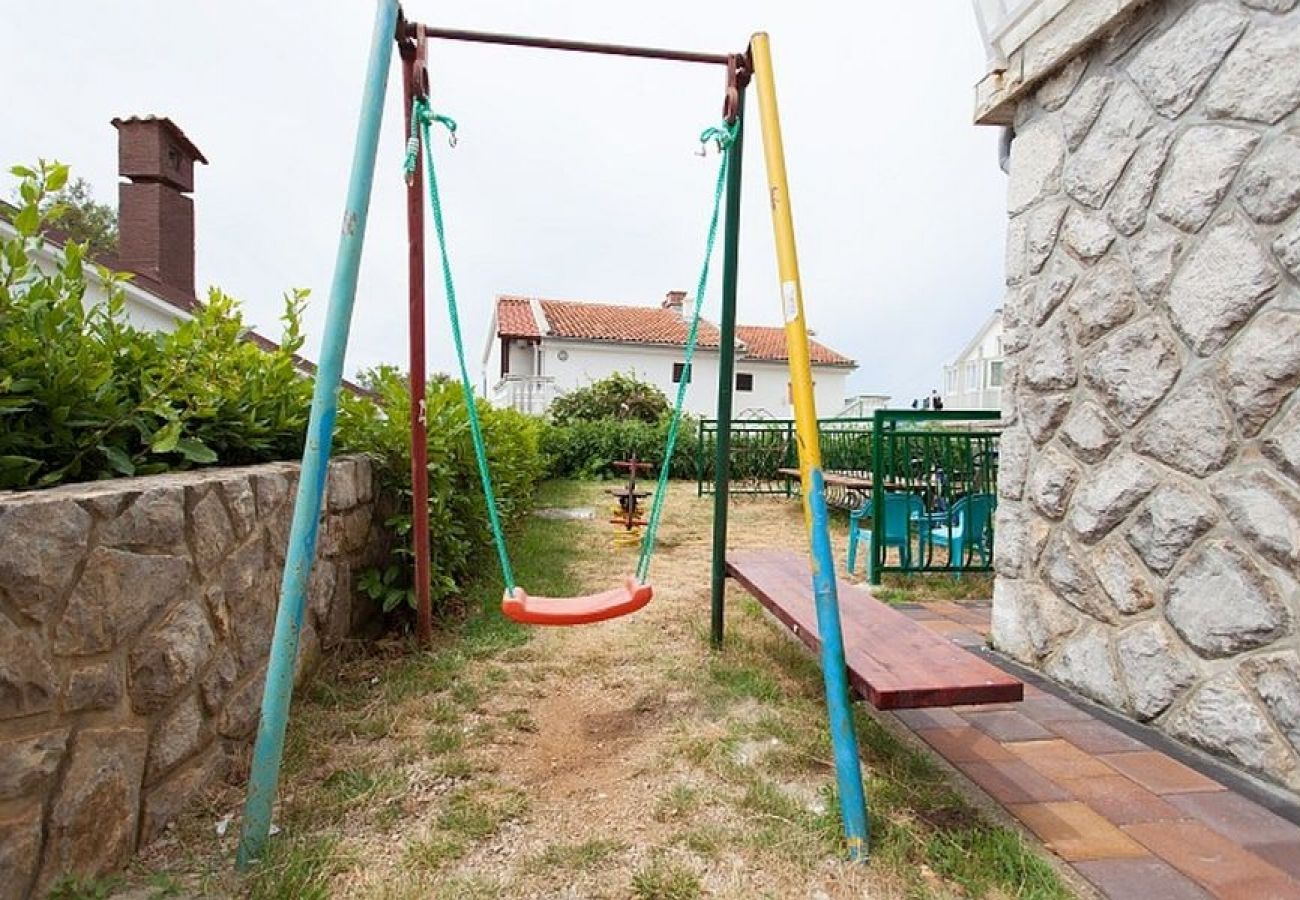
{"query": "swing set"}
pixel 634 591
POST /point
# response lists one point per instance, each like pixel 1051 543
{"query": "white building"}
pixel 974 379
pixel 538 349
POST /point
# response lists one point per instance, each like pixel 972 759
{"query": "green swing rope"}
pixel 422 117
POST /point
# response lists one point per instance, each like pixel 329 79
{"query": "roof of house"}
pixel 169 125
pixel 657 326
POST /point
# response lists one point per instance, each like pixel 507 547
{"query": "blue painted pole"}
pixel 278 692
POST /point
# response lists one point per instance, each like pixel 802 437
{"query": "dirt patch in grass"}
pixel 625 759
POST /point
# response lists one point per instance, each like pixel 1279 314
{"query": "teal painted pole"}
pixel 726 376
pixel 278 692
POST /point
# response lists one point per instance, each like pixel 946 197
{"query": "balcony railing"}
pixel 530 394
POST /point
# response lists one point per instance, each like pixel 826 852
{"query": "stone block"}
pixel 20 853
pixel 1083 107
pixel 118 593
pixel 1042 413
pixel 1202 164
pixel 1172 69
pixel 1224 279
pixel 212 531
pixel 166 659
pixel 241 505
pixel 365 475
pixel 1084 664
pixel 1042 227
pixel 1088 432
pixel 1190 431
pixel 93 686
pixel 1260 80
pixel 341 488
pixel 1266 511
pixel 1016 265
pixel 1051 289
pixel 40 546
pixel 165 801
pixel 1171 521
pixel 1086 235
pixel 1269 188
pixel 1286 246
pixel 1276 679
pixel 254 619
pixel 1261 369
pixel 27 683
pixel 1013 462
pixel 1274 6
pixel 92 818
pixel 1037 154
pixel 28 764
pixel 1057 87
pixel 1155 668
pixel 1220 717
pixel 1282 446
pixel 176 736
pixel 238 718
pixel 217 680
pixel 1011 524
pixel 1065 569
pixel 1195 602
pixel 1127 207
pixel 1152 255
pixel 1093 170
pixel 1115 488
pixel 154 520
pixel 1122 578
pixel 1028 619
pixel 270 490
pixel 1051 482
pixel 1049 361
pixel 1105 299
pixel 1133 368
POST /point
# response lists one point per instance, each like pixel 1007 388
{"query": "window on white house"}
pixel 995 373
pixel 680 370
pixel 744 381
pixel 972 376
pixel 950 380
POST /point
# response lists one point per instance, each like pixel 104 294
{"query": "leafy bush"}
pixel 617 397
pixel 588 449
pixel 84 395
pixel 460 542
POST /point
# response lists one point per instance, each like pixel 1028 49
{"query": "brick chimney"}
pixel 155 215
pixel 674 300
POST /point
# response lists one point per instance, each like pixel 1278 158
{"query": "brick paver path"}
pixel 1133 821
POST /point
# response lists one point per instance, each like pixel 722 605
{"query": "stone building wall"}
pixel 1149 526
pixel 135 621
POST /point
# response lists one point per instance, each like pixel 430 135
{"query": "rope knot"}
pixel 721 135
pixel 422 114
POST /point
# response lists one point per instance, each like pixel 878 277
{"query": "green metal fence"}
pixel 933 491
pixel 760 448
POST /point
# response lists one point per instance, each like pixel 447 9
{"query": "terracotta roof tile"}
pixel 579 320
pixel 768 342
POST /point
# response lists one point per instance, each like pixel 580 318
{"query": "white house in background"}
pixel 974 379
pixel 861 406
pixel 538 349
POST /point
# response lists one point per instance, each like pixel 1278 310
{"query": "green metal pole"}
pixel 726 375
pixel 875 553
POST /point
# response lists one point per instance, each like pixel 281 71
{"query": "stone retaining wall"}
pixel 135 621
pixel 1149 528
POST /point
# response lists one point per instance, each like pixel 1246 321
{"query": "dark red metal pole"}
pixel 412 80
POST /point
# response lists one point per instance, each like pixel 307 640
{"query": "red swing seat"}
pixel 611 604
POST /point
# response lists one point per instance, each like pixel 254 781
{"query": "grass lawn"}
pixel 618 760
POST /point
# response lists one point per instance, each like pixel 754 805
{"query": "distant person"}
pixel 915 403
pixel 925 404
pixel 936 402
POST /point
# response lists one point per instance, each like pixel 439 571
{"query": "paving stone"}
pixel 1213 861
pixel 1075 832
pixel 1285 855
pixel 1048 709
pixel 1059 759
pixel 1202 164
pixel 1172 69
pixel 1008 726
pixel 937 717
pixel 1148 879
pixel 966 744
pixel 1095 736
pixel 1122 801
pixel 1159 773
pixel 1011 781
pixel 1237 818
pixel 1260 79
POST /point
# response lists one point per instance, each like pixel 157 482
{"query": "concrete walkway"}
pixel 1107 796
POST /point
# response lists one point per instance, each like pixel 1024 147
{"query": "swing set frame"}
pixel 392 28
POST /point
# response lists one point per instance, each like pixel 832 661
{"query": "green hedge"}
pixel 588 449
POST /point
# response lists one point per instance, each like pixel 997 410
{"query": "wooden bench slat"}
pixel 893 661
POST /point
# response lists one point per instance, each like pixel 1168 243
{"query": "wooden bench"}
pixel 893 661
pixel 844 490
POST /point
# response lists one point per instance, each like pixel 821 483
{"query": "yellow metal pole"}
pixel 843 738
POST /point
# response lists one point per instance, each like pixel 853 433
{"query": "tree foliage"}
pixel 74 210
pixel 618 396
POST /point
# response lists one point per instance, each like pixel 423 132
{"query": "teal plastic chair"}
pixel 966 526
pixel 902 513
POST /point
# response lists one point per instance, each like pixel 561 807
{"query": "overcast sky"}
pixel 575 177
